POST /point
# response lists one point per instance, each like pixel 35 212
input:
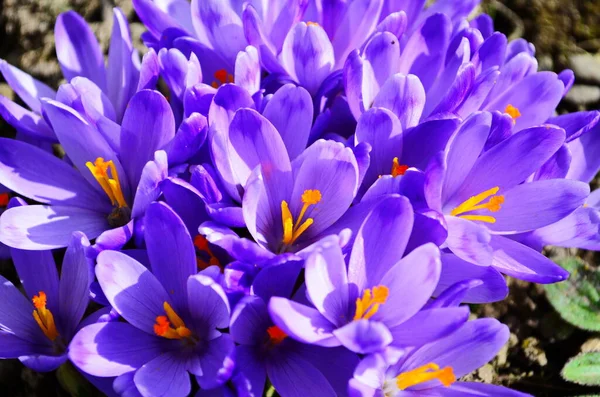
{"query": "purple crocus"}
pixel 481 193
pixel 375 299
pixel 115 177
pixel 38 328
pixel 265 350
pixel 433 369
pixel 172 317
pixel 79 55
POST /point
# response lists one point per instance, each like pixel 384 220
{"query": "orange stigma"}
pixel 424 374
pixel 4 199
pixel 201 244
pixel 171 326
pixel 43 317
pixel 292 230
pixel 310 23
pixel 472 204
pixel 398 169
pixel 109 183
pixel 276 335
pixel 222 77
pixel 512 112
pixel 367 306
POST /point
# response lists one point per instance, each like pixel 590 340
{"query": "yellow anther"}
pixel 43 317
pixel 397 168
pixel 109 182
pixel 310 23
pixel 171 326
pixel 512 112
pixel 367 306
pixel 424 374
pixel 292 230
pixel 473 204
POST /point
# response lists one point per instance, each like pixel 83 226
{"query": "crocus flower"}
pixel 375 299
pixel 484 200
pixel 38 328
pixel 114 179
pixel 172 317
pixel 264 349
pixel 79 55
pixel 433 369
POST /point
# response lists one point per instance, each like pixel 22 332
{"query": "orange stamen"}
pixel 201 244
pixel 424 374
pixel 4 199
pixel 109 182
pixel 292 230
pixel 171 326
pixel 512 112
pixel 43 317
pixel 276 334
pixel 222 77
pixel 473 204
pixel 368 305
pixel 310 23
pixel 398 169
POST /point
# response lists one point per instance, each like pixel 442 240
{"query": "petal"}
pixel 410 283
pixel 172 254
pixel 43 363
pixel 131 289
pixel 435 132
pixel 307 55
pixel 247 70
pixel 381 60
pixel 576 124
pixel 190 137
pixel 186 201
pixel 149 70
pixel 39 227
pixel 164 375
pixel 208 303
pixel 149 187
pixel 290 110
pixel 148 124
pixel 24 121
pixel 37 272
pixel 519 261
pixel 523 153
pixel 482 338
pixel 77 49
pixel 302 323
pixel 74 287
pixel 585 151
pixel 353 83
pixel 216 362
pixel 40 176
pixel 278 277
pixel 155 19
pixel 252 370
pixel 364 336
pixel 404 96
pixel 249 321
pixel 29 89
pixel 469 241
pixel 122 74
pixel 580 229
pixel 455 270
pixel 327 283
pixel 533 205
pixel 429 325
pixel 380 241
pixel 13 346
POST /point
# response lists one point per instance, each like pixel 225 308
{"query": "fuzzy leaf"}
pixel 577 299
pixel 583 369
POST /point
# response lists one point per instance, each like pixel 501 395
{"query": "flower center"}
pixel 4 199
pixel 171 326
pixel 424 374
pixel 397 168
pixel 204 255
pixel 43 317
pixel 369 303
pixel 292 230
pixel 512 112
pixel 221 77
pixel 473 204
pixel 276 335
pixel 109 183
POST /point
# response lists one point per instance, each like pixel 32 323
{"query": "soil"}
pixel 541 342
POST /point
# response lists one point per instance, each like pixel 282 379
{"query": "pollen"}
pixel 221 77
pixel 203 250
pixel 4 199
pixel 368 304
pixel 473 204
pixel 171 326
pixel 424 374
pixel 107 177
pixel 276 335
pixel 512 112
pixel 292 230
pixel 397 168
pixel 310 23
pixel 43 317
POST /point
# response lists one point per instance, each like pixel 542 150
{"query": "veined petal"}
pixel 29 89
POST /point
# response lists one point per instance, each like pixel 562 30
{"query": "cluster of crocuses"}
pixel 325 186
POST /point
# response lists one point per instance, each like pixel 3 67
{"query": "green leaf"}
pixel 577 299
pixel 583 369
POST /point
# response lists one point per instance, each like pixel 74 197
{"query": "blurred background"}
pixel 566 34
